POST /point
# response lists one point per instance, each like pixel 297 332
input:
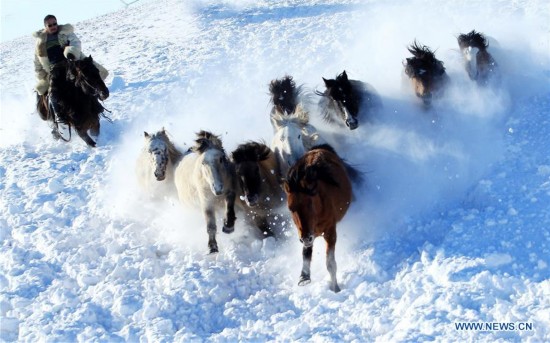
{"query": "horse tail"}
pixel 356 175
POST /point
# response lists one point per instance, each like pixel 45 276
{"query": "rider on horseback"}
pixel 54 44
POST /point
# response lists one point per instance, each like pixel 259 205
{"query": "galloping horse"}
pixel 293 137
pixel 483 69
pixel 426 73
pixel 345 100
pixel 319 193
pixel 206 178
pixel 75 87
pixel 256 168
pixel 155 164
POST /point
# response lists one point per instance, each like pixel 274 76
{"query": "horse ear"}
pixel 345 75
pixel 330 83
pixel 145 134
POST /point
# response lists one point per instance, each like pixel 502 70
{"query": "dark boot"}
pixel 60 129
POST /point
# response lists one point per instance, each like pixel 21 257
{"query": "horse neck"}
pixel 269 171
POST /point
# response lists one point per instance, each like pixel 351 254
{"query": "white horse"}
pixel 155 165
pixel 294 136
pixel 206 178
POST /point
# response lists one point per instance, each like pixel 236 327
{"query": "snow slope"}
pixel 452 225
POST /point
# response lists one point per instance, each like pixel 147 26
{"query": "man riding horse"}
pixel 54 44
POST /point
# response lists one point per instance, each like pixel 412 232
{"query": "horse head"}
pixel 289 143
pixel 284 95
pixel 214 162
pixel 426 72
pixel 86 76
pixel 346 101
pixel 158 152
pixel 483 68
pixel 247 158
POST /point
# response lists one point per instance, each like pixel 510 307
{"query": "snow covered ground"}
pixel 451 228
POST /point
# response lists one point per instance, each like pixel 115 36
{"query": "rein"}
pixel 320 93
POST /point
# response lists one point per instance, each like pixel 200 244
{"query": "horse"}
pixel 345 100
pixel 74 93
pixel 483 68
pixel 205 177
pixel 256 170
pixel 319 193
pixel 426 73
pixel 155 164
pixel 293 137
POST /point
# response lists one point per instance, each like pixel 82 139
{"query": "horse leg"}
pixel 331 261
pixel 94 129
pixel 305 276
pixel 82 133
pixel 263 225
pixel 210 215
pixel 229 220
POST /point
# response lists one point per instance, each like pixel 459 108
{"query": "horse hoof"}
pixel 213 251
pixel 335 289
pixel 304 281
pixel 226 229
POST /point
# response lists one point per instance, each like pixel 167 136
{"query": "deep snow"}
pixel 452 225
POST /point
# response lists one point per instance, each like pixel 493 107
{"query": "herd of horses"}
pixel 299 169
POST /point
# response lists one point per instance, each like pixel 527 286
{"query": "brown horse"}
pixel 75 90
pixel 426 73
pixel 262 195
pixel 319 193
pixel 483 68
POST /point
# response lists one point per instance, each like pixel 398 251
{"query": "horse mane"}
pixel 173 152
pixel 206 140
pixel 300 117
pixel 310 173
pixel 251 152
pixel 354 174
pixel 423 61
pixel 279 88
pixel 473 39
pixel 421 52
pixel 325 146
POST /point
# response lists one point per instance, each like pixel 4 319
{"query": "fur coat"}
pixel 70 44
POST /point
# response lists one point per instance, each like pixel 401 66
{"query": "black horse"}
pixel 73 98
pixel 483 68
pixel 346 100
pixel 426 73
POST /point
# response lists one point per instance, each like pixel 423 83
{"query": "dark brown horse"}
pixel 262 195
pixel 319 193
pixel 75 90
pixel 483 68
pixel 426 73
